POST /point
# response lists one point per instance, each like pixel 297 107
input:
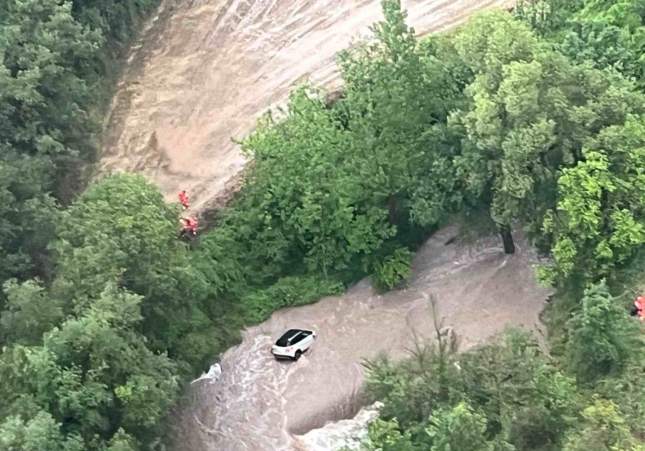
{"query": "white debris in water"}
pixel 341 435
pixel 214 373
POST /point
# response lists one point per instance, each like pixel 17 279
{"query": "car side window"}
pixel 297 338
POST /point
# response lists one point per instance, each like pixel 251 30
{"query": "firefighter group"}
pixel 188 225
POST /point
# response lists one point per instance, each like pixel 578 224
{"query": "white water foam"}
pixel 340 435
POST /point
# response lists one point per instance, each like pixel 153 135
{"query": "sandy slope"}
pixel 206 69
pixel 259 404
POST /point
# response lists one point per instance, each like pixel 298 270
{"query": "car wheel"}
pixel 298 354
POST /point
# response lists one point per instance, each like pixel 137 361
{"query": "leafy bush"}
pixel 387 436
pixel 286 292
pixel 459 428
pixel 602 428
pixel 515 396
pixel 627 393
pixel 393 270
pixel 602 336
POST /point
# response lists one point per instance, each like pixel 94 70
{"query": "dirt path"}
pixel 260 404
pixel 206 69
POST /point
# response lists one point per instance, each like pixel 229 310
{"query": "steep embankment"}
pixel 259 403
pixel 206 69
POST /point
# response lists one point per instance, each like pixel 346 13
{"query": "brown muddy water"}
pixel 261 404
pixel 205 70
pixel 200 76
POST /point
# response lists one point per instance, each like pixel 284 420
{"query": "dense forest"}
pixel 547 131
pixel 532 119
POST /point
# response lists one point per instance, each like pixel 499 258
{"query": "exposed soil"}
pixel 205 70
pixel 261 404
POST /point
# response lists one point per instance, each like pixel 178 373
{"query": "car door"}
pixel 306 341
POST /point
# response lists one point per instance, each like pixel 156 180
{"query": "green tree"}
pixel 76 371
pixel 387 436
pixel 530 112
pixel 44 125
pixel 599 222
pixel 48 125
pixel 507 395
pixel 393 270
pixel 602 429
pixel 36 434
pixel 546 16
pixel 459 428
pixel 29 313
pixel 609 34
pixel 398 96
pixel 122 442
pixel 601 336
pixel 523 396
pixel 43 102
pixel 27 216
pixel 117 20
pixel 121 231
pixel 335 187
pixel 93 374
pixel 310 213
pixel 627 393
pixel 413 389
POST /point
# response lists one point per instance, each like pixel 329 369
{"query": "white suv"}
pixel 293 344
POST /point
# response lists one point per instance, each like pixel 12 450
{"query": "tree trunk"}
pixel 507 238
pixel 393 209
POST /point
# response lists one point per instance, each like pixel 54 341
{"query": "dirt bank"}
pixel 258 404
pixel 206 69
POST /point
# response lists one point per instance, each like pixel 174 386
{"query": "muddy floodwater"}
pixel 204 71
pixel 261 404
pixel 201 74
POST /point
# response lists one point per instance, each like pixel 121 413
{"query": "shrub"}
pixel 286 292
pixel 601 336
pixel 393 270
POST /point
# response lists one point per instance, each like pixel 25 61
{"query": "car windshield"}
pixel 288 338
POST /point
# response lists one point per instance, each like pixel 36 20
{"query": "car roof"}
pixel 289 335
pixel 295 331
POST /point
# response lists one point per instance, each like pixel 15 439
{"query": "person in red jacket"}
pixel 639 308
pixel 183 199
pixel 189 227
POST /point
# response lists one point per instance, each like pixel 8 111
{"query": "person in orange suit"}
pixel 639 308
pixel 183 199
pixel 189 227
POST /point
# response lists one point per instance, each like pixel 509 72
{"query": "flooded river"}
pixel 206 69
pixel 261 404
pixel 202 73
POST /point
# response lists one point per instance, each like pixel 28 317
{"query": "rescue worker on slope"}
pixel 183 199
pixel 639 308
pixel 189 228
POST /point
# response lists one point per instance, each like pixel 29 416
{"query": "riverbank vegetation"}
pixel 553 138
pixel 533 119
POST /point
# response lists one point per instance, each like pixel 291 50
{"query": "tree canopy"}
pixel 534 117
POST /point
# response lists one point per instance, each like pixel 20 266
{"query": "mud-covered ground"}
pixel 263 405
pixel 204 71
